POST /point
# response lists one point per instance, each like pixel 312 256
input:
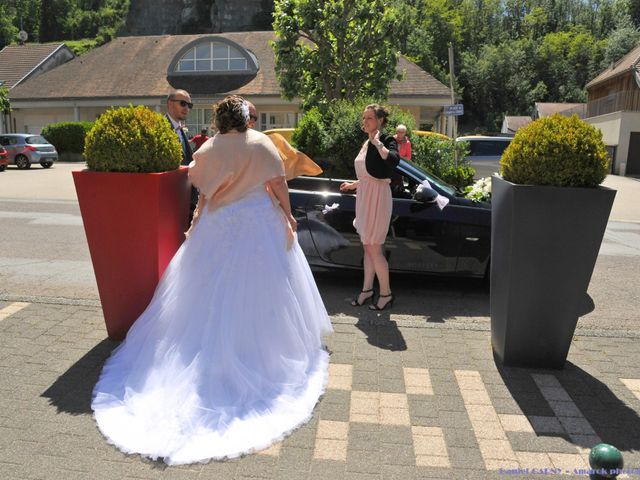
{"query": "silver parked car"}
pixel 485 153
pixel 23 149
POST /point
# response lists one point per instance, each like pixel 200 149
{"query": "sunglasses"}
pixel 183 103
pixel 253 117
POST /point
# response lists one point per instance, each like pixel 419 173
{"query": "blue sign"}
pixel 454 110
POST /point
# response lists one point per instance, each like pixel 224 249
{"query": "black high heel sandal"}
pixel 355 303
pixel 389 304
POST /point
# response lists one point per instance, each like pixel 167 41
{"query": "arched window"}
pixel 213 57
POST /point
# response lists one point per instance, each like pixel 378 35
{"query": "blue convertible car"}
pixel 422 237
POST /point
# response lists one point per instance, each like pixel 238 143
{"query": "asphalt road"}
pixel 44 258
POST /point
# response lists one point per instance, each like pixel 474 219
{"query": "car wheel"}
pixel 22 162
pixel 2 168
pixel 46 164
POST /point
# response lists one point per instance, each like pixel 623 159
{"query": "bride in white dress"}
pixel 228 357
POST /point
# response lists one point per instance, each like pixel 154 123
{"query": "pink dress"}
pixel 373 203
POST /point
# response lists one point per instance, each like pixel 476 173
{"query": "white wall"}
pixel 616 131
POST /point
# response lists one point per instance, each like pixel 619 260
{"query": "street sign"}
pixel 454 110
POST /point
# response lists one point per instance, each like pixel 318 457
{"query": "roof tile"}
pixel 137 67
pixel 16 61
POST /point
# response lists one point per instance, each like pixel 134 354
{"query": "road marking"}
pixel 11 309
pixel 340 376
pixel 572 420
pixel 331 440
pixel 495 447
pixel 632 384
pixel 430 447
pixel 417 381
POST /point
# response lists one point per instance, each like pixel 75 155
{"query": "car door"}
pixel 420 237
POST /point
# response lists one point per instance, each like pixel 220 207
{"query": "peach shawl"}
pixel 229 165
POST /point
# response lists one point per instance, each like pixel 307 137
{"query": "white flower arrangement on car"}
pixel 479 191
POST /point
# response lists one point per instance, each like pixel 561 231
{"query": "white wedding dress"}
pixel 228 357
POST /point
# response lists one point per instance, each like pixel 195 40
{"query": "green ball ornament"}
pixel 605 458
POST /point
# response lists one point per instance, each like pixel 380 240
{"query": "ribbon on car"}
pixel 329 208
pixel 441 200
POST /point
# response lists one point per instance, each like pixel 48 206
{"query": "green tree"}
pixel 566 61
pixel 8 31
pixel 5 105
pixel 52 15
pixel 621 41
pixel 340 49
pixel 499 80
pixel 436 23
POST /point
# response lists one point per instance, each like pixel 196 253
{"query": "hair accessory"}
pixel 244 110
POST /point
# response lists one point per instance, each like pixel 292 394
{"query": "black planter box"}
pixel 544 246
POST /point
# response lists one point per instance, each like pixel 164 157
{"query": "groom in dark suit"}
pixel 178 106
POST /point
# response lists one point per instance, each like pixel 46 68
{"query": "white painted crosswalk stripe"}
pixel 11 309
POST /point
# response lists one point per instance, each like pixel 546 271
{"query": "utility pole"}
pixel 453 118
pixel 453 95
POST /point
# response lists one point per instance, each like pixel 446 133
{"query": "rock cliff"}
pixel 160 17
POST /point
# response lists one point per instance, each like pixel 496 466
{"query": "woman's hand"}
pixel 374 137
pixel 292 222
pixel 347 187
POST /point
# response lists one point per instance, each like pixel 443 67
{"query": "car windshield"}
pixel 420 174
pixel 35 140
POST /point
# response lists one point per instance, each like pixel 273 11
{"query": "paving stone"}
pixel 397 454
pixel 465 458
pixel 49 369
pixel 530 442
pixel 460 437
pixel 363 461
pixel 395 434
pixel 326 469
pixel 334 411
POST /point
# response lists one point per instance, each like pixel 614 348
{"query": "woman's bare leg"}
pixel 381 267
pixel 369 276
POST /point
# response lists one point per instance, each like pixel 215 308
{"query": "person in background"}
pixel 404 145
pixel 178 106
pixel 199 139
pixel 295 162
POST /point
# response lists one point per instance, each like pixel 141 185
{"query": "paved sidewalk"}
pixel 403 402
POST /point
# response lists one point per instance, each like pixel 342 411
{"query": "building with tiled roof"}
pixel 546 109
pixel 142 70
pixel 614 107
pixel 19 63
pixel 511 124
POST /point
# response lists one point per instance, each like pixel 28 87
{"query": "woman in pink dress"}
pixel 374 168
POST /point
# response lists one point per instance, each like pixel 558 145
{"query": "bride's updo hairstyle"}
pixel 231 113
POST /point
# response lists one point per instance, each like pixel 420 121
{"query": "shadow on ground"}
pixel 71 392
pixel 383 333
pixel 438 299
pixel 610 417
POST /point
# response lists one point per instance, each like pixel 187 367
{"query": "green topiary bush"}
pixel 67 137
pixel 558 151
pixel 132 139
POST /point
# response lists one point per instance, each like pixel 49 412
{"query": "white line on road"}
pixel 11 309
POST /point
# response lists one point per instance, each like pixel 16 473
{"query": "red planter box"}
pixel 134 224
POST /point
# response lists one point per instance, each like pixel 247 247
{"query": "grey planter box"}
pixel 544 246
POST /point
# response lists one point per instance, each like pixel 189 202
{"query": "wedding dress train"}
pixel 228 356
